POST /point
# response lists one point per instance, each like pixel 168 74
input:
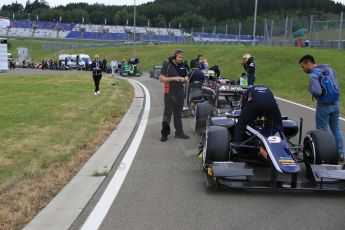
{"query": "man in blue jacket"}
pixel 327 113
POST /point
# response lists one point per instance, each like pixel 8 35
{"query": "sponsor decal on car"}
pixel 274 139
pixel 287 161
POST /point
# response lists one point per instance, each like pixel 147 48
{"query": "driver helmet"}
pixel 246 58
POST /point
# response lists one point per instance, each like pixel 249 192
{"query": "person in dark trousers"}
pixel 96 67
pixel 173 75
pixel 327 114
pixel 249 67
pixel 104 67
pixel 77 61
pixel 258 101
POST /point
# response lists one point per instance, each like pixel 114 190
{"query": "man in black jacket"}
pixel 173 75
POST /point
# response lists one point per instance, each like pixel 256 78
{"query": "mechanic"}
pixel 249 67
pixel 196 63
pixel 327 114
pixel 173 75
pixel 258 101
pixel 196 75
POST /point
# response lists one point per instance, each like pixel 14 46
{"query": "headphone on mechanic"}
pixel 178 51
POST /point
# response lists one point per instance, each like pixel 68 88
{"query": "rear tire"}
pixel 202 112
pixel 217 145
pixel 320 147
pixel 195 94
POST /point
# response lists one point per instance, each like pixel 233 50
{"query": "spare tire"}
pixel 217 145
pixel 202 112
pixel 320 147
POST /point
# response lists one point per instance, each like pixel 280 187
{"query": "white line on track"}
pixel 101 209
pixel 303 106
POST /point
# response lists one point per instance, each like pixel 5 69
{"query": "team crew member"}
pixel 173 75
pixel 97 73
pixel 249 67
pixel 327 113
pixel 258 101
pixel 196 75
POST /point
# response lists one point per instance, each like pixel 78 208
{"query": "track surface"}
pixel 165 189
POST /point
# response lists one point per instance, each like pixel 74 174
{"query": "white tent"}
pixel 4 22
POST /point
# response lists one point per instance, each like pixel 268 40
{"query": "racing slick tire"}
pixel 202 112
pixel 195 95
pixel 217 145
pixel 320 147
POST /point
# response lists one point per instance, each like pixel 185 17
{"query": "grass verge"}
pixel 277 67
pixel 50 125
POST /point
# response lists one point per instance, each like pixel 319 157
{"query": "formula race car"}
pixel 130 69
pixel 223 98
pixel 267 159
pixel 155 72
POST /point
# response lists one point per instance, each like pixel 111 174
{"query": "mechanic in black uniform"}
pixel 249 67
pixel 258 101
pixel 196 75
pixel 173 75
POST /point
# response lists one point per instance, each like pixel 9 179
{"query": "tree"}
pixel 159 21
pixel 121 17
pixel 77 16
pixel 36 5
pixel 15 8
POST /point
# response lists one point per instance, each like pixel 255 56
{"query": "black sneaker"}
pixel 181 136
pixel 164 138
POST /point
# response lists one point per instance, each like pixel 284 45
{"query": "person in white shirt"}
pixel 113 65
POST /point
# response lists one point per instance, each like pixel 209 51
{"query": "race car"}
pixel 131 68
pixel 267 159
pixel 200 91
pixel 155 72
pixel 224 98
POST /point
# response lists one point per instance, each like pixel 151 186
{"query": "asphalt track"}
pixel 165 189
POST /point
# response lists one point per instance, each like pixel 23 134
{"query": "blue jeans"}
pixel 329 115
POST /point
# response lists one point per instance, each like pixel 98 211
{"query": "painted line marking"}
pixel 102 207
pixel 303 106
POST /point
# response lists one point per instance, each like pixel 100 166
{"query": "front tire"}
pixel 320 147
pixel 217 145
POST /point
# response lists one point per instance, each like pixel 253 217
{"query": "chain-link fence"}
pixel 313 31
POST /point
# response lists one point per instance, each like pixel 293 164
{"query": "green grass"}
pixel 36 52
pixel 45 118
pixel 277 67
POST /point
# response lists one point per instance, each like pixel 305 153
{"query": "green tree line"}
pixel 164 13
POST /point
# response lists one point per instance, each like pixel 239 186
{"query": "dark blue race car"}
pixel 268 159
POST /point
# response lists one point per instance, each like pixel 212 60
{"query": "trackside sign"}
pixel 3 55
